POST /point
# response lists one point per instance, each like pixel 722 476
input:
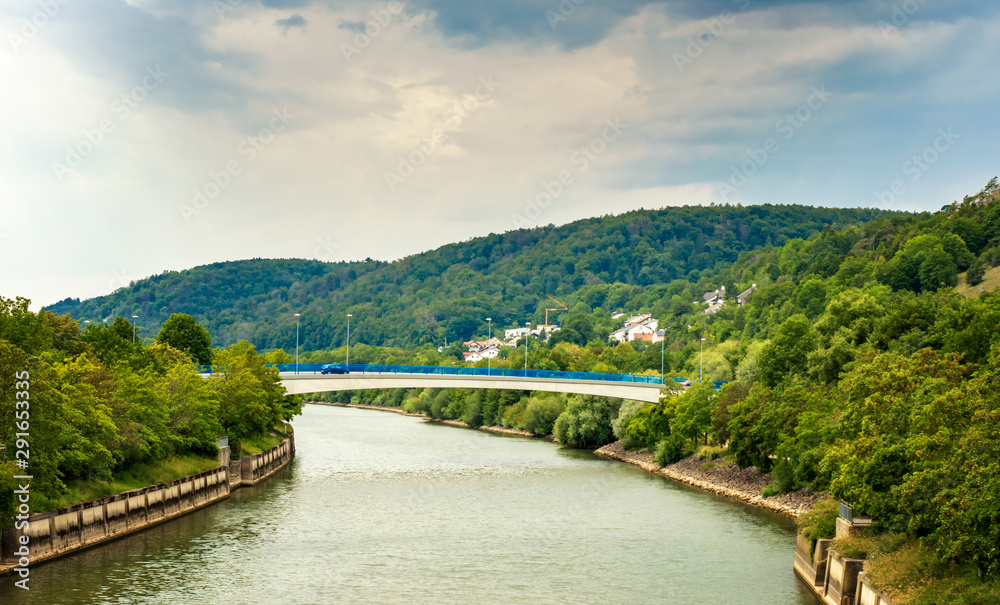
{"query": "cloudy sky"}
pixel 148 135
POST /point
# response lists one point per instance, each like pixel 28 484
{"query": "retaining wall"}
pixel 64 530
pixel 868 595
pixel 56 532
pixel 834 579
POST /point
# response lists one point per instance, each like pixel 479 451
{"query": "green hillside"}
pixel 614 262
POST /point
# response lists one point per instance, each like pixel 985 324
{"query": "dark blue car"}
pixel 333 368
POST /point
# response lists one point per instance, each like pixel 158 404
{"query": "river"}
pixel 383 508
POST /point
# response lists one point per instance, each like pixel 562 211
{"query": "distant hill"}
pixel 613 262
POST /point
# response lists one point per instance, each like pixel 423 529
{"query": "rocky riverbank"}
pixel 724 479
pixel 361 406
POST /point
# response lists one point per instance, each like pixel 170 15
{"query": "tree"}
pixel 693 412
pixel 184 333
pixel 976 272
pixel 938 271
pixel 586 422
pixel 787 353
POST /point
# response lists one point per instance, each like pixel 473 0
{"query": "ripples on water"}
pixel 382 508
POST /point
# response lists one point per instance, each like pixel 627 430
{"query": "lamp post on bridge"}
pixel 349 316
pixel 662 334
pixel 296 343
pixel 133 328
pixel 527 328
pixel 489 324
pixel 701 363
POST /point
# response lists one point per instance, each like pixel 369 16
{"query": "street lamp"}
pixel 662 334
pixel 527 330
pixel 133 328
pixel 296 343
pixel 489 324
pixel 349 316
pixel 701 364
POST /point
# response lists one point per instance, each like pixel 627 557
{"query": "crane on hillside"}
pixel 562 308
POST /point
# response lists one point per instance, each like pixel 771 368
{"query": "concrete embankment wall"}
pixel 62 531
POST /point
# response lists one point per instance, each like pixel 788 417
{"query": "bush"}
pixel 976 272
pixel 820 523
pixel 541 414
pixel 586 423
pixel 672 449
pixel 629 408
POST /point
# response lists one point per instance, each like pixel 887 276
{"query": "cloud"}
pixel 292 21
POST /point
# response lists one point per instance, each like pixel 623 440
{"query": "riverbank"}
pixel 723 479
pixel 727 480
pixel 54 533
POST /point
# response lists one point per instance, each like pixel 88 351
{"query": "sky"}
pixel 142 136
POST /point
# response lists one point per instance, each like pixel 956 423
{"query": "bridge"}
pixel 306 378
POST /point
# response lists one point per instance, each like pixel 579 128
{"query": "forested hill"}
pixel 446 294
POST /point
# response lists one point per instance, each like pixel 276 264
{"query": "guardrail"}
pixel 315 368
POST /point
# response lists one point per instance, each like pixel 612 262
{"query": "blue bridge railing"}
pixel 315 368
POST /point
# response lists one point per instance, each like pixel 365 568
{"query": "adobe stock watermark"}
pixel 48 10
pixel 714 28
pixel 917 166
pixel 900 17
pixel 427 148
pixel 22 453
pixel 787 127
pixel 579 161
pixel 326 250
pixel 249 148
pixel 224 8
pixel 565 10
pixel 121 109
pixel 381 19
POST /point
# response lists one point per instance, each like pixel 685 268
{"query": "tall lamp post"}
pixel 701 363
pixel 662 334
pixel 133 328
pixel 296 343
pixel 489 324
pixel 527 331
pixel 349 316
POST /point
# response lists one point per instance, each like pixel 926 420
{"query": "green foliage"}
pixel 586 422
pixel 787 353
pixel 976 272
pixel 184 333
pixel 628 409
pixel 820 522
pixel 693 412
pixel 540 415
pixel 646 427
pixel 102 407
pixel 612 262
pixel 672 449
pixel 730 395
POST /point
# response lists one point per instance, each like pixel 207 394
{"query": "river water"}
pixel 383 508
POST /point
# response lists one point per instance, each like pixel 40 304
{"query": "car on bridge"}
pixel 334 368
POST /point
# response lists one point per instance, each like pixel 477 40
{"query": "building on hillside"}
pixel 475 345
pixel 711 298
pixel 514 334
pixel 714 308
pixel 617 315
pixel 638 327
pixel 745 296
pixel 472 356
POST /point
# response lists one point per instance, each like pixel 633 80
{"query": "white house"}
pixel 639 327
pixel 711 298
pixel 472 356
pixel 514 333
pixel 745 295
